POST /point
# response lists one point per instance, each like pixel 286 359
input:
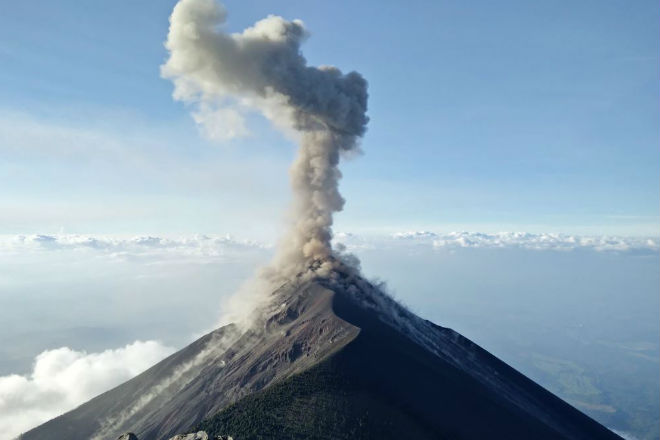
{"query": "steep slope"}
pixel 336 359
pixel 211 373
pixel 383 385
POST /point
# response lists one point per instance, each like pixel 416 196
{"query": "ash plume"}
pixel 262 68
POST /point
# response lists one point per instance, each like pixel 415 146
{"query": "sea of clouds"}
pixel 226 245
pixel 503 240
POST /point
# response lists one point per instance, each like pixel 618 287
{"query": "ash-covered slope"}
pixel 211 373
pixel 335 359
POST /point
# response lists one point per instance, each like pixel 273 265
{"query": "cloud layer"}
pixel 196 246
pixel 504 240
pixel 63 378
pixel 144 246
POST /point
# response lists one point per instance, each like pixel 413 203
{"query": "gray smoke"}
pixel 262 68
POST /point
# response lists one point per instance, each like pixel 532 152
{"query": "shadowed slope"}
pixel 382 385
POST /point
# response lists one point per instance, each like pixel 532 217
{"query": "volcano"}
pixel 331 358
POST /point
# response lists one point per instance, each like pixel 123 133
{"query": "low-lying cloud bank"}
pixel 503 240
pixel 63 378
pixel 206 245
pixel 138 246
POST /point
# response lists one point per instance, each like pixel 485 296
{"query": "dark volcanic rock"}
pixel 200 435
pixel 336 360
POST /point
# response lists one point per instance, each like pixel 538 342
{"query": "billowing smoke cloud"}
pixel 262 68
pixel 64 378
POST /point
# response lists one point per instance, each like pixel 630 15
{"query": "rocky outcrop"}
pixel 201 435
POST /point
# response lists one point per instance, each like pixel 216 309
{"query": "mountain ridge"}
pixel 408 368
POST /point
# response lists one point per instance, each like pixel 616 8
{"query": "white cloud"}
pixel 224 245
pixel 202 247
pixel 526 240
pixel 414 235
pixel 503 240
pixel 148 246
pixel 63 378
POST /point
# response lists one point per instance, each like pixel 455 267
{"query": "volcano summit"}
pixel 336 359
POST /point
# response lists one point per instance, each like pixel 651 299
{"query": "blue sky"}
pixel 540 117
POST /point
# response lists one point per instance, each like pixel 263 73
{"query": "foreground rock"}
pixel 201 435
